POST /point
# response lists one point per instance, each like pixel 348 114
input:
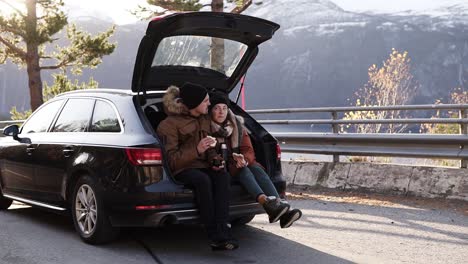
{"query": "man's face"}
pixel 202 108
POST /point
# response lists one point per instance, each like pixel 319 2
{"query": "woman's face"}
pixel 219 113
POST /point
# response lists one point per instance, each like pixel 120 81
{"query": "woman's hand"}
pixel 240 160
pixel 205 144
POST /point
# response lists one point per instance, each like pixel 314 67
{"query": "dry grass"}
pixel 374 199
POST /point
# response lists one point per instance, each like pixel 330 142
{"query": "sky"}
pixel 118 10
pixel 386 6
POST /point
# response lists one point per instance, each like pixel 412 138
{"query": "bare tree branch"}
pixel 242 8
pixel 12 30
pixel 54 67
pixel 19 52
pixel 62 64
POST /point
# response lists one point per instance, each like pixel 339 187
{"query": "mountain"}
pixel 319 57
pixel 321 54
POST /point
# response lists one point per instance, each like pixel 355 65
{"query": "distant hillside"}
pixel 319 57
pixel 321 54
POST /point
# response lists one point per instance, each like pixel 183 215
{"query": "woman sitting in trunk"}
pixel 241 163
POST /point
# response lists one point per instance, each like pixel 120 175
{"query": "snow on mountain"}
pixel 323 49
pixel 427 7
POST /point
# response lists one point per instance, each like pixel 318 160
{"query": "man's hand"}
pixel 205 144
pixel 218 168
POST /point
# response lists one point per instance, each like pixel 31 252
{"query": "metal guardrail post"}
pixel 335 127
pixel 463 113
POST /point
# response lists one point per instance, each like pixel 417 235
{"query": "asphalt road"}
pixel 329 232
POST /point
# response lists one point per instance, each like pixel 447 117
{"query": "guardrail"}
pixel 389 145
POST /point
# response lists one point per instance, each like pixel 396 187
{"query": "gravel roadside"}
pixel 296 192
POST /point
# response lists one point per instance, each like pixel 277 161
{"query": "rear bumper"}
pixel 161 218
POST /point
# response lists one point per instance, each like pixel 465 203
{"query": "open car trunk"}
pixel 208 48
pixel 264 144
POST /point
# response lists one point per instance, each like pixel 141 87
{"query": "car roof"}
pixel 103 91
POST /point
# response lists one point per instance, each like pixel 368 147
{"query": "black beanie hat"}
pixel 192 94
pixel 218 98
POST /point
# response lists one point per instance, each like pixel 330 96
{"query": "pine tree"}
pixel 25 34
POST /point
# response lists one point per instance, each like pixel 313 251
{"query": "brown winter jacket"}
pixel 181 133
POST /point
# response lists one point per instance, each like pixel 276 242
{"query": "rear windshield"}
pixel 197 51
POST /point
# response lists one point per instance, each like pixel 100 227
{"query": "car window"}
pixel 104 118
pixel 195 51
pixel 41 119
pixel 74 116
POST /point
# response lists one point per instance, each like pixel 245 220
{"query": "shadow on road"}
pixel 417 222
pixel 174 244
pixel 188 244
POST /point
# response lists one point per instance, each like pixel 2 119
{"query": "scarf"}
pixel 228 130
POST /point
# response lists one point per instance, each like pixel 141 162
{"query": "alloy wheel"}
pixel 86 209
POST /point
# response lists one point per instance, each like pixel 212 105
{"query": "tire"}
pixel 4 202
pixel 241 221
pixel 89 217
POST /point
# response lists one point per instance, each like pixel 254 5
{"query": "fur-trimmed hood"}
pixel 172 103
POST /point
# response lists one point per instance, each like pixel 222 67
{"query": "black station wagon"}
pixel 95 153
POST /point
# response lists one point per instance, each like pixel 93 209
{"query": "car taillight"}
pixel 278 151
pixel 151 207
pixel 144 156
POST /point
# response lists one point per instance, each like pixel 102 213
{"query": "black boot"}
pixel 290 217
pixel 224 245
pixel 225 240
pixel 275 208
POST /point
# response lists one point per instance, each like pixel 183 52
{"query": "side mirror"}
pixel 11 131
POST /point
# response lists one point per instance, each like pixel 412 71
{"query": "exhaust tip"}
pixel 168 220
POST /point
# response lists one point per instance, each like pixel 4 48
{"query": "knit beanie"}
pixel 218 98
pixel 192 94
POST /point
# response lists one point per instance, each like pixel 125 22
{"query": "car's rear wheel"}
pixel 88 213
pixel 242 220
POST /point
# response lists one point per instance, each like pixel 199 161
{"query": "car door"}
pixel 16 162
pixel 56 150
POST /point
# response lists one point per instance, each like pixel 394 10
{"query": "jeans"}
pixel 212 192
pixel 257 182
